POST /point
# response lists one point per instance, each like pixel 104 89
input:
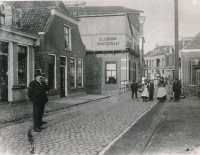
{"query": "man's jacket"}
pixel 134 86
pixel 37 92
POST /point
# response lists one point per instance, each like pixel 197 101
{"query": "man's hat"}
pixel 37 74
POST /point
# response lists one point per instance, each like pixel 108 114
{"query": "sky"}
pixel 159 23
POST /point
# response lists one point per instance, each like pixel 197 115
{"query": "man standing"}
pixel 176 90
pixel 37 94
pixel 151 90
pixel 134 88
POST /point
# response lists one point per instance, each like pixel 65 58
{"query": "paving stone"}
pixel 80 130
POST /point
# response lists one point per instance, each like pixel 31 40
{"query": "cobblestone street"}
pixel 85 129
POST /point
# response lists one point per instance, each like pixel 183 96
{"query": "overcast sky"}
pixel 159 24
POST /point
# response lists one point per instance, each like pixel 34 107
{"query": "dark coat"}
pixel 177 86
pixel 151 86
pixel 37 92
pixel 134 86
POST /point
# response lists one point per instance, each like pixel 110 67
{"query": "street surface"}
pixel 79 130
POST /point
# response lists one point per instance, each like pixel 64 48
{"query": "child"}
pixel 134 88
pixel 151 90
pixel 145 93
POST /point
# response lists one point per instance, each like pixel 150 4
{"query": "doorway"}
pixel 63 77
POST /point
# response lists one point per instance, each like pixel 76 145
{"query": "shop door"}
pixel 62 81
pixel 3 78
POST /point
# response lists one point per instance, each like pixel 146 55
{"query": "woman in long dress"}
pixel 145 93
pixel 161 96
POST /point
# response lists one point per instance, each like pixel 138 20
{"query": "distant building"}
pixel 190 64
pixel 160 63
pixel 113 37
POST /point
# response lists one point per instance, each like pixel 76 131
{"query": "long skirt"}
pixel 161 94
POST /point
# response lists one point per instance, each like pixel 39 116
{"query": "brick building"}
pixel 160 63
pixel 114 40
pixel 59 51
pixel 190 64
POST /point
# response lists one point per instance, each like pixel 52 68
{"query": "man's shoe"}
pixel 44 122
pixel 41 128
pixel 131 99
pixel 37 130
pixel 136 99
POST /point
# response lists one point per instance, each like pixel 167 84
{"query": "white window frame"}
pixel 70 46
pixel 81 72
pixel 74 71
pixel 66 92
pixel 55 84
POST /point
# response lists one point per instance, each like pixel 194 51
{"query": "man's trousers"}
pixel 134 92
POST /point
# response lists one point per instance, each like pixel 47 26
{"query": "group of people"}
pixel 37 93
pixel 147 90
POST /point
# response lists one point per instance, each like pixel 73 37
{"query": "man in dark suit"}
pixel 176 89
pixel 134 88
pixel 151 90
pixel 37 94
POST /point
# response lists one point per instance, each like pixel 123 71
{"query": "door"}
pixel 198 82
pixel 62 81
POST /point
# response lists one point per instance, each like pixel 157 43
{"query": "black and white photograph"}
pixel 100 77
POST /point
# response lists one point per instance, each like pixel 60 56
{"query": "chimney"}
pixel 141 20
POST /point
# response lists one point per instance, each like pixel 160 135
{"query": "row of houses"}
pixel 79 50
pixel 161 62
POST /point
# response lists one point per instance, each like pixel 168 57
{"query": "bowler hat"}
pixel 37 74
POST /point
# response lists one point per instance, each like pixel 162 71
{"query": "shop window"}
pixel 67 36
pixel 72 72
pixel 163 62
pixel 80 72
pixel 51 62
pixel 22 66
pixel 111 73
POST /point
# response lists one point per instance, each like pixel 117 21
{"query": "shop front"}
pixel 16 63
pixel 112 53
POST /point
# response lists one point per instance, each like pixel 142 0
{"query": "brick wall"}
pixel 53 43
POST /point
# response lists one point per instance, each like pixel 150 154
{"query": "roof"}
pixel 36 14
pixel 194 43
pixel 159 50
pixel 102 10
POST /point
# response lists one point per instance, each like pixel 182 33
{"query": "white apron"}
pixel 161 92
pixel 145 92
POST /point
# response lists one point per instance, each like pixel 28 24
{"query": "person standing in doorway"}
pixel 37 94
pixel 151 90
pixel 134 88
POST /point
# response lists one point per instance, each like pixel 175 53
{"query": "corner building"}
pixel 112 49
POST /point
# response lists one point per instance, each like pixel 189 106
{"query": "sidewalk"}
pixel 168 128
pixel 179 131
pixel 20 110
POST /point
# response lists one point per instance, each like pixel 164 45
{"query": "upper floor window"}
pixel 157 62
pixel 67 35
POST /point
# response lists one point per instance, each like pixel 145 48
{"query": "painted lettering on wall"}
pixel 107 41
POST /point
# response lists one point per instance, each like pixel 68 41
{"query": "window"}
pixel 67 37
pixel 51 62
pixel 193 65
pixel 80 72
pixel 111 73
pixel 152 63
pixel 22 65
pixel 72 73
pixel 157 62
pixel 149 63
pixel 163 61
